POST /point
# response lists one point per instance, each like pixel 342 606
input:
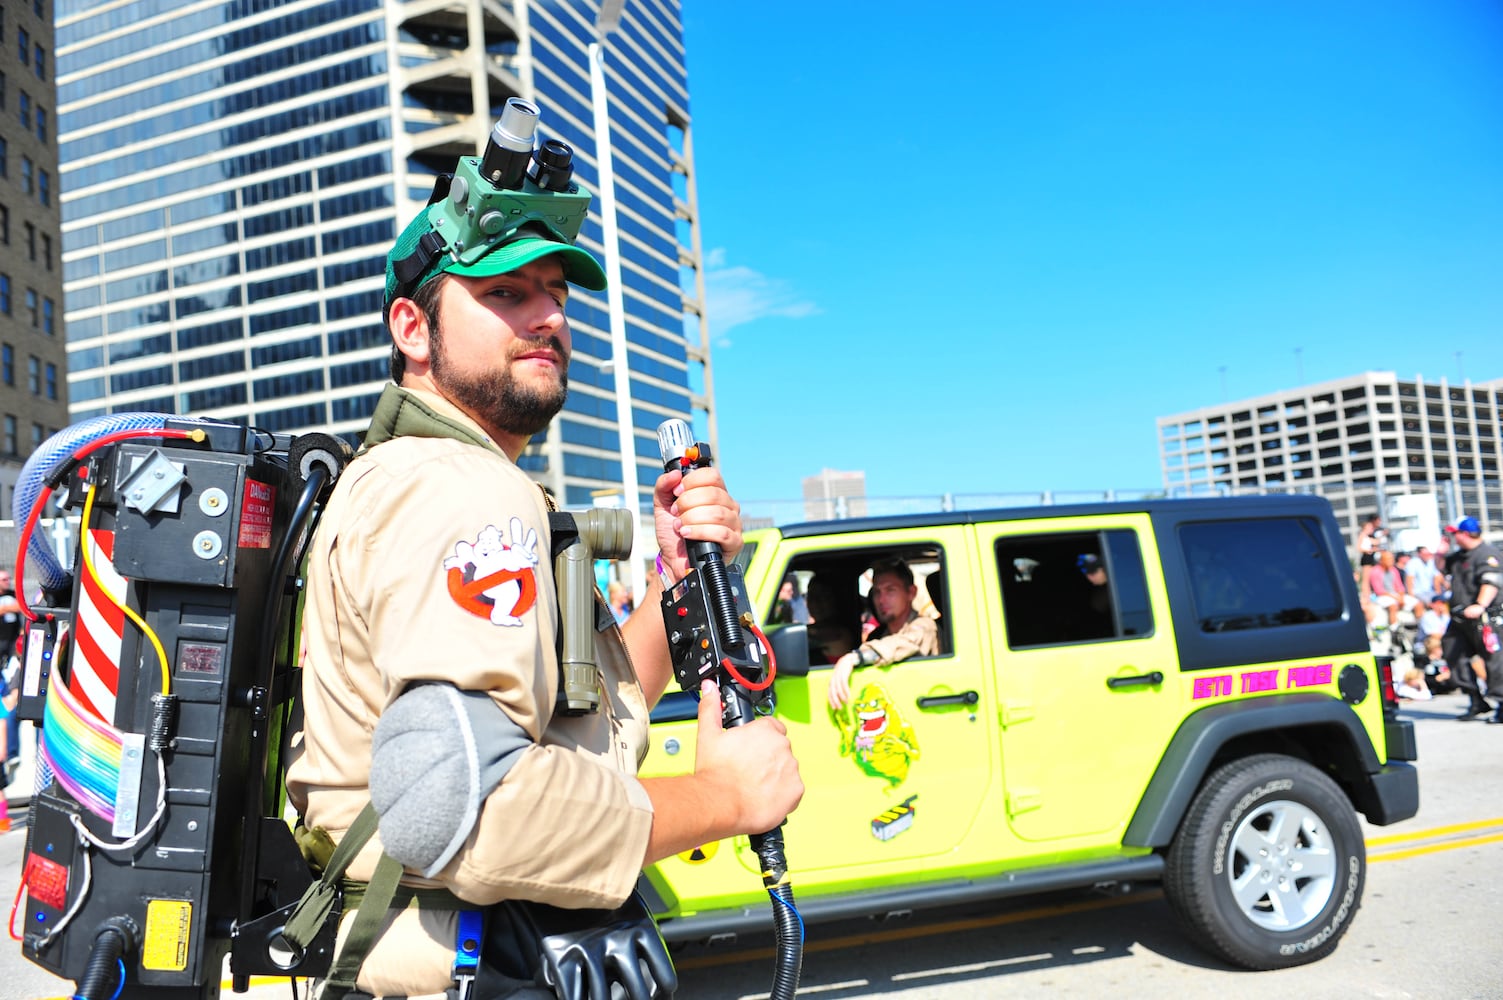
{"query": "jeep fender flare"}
pixel 1201 736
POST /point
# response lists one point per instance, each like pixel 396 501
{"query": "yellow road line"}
pixel 1449 845
pixel 1439 831
pixel 1044 912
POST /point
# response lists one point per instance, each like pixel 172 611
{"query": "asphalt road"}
pixel 1428 926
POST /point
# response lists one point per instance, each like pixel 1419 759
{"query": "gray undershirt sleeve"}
pixel 436 754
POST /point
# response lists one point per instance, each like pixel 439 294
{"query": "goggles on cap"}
pixel 509 194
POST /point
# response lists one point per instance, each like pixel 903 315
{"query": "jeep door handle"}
pixel 1155 677
pixel 963 698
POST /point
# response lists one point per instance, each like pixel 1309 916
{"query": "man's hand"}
pixel 745 781
pixel 696 507
pixel 684 508
pixel 751 765
pixel 840 679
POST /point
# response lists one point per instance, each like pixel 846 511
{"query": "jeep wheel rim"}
pixel 1282 865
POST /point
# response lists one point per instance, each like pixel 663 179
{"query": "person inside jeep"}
pixel 834 617
pixel 902 632
pixel 1096 618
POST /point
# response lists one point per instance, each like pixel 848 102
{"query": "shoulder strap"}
pixel 317 904
pixel 375 899
pixel 362 937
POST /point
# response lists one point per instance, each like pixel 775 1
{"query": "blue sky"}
pixel 984 251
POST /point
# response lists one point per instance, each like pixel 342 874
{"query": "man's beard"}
pixel 495 398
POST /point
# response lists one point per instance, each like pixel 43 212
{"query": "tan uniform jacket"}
pixel 432 562
pixel 919 636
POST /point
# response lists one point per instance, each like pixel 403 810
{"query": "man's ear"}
pixel 409 331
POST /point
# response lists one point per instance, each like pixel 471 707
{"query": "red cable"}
pixel 772 666
pixel 24 544
pixel 41 502
pixel 10 925
pixel 158 432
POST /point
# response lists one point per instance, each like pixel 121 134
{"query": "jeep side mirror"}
pixel 790 644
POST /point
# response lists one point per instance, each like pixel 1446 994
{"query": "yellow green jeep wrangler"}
pixel 1212 717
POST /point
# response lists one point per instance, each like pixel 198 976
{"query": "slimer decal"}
pixel 1256 681
pixel 882 743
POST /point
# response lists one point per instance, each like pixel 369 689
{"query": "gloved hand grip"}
pixel 586 954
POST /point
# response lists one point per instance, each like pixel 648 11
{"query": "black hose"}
pixel 116 936
pixel 788 926
pixel 288 553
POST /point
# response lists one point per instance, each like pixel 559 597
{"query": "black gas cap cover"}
pixel 1353 684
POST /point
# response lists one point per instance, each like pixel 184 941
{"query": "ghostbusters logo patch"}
pixel 492 579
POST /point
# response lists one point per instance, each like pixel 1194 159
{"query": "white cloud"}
pixel 739 295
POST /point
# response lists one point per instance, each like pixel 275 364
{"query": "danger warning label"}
pixel 255 515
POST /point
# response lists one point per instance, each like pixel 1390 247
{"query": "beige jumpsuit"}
pixel 425 567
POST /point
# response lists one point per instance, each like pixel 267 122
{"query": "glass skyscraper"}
pixel 233 173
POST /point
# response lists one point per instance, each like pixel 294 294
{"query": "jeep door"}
pixel 903 772
pixel 1085 670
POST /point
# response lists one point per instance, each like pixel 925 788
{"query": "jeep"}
pixel 1213 718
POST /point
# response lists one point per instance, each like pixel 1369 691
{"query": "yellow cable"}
pixel 156 643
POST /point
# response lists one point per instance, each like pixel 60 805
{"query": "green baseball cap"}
pixel 527 245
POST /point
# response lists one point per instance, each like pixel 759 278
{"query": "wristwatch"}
pixel 868 655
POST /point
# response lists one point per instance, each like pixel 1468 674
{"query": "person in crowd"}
pixel 1476 602
pixel 901 633
pixel 1370 539
pixel 619 598
pixel 1433 665
pixel 1412 686
pixel 1385 584
pixel 1423 574
pixel 1434 622
pixel 10 692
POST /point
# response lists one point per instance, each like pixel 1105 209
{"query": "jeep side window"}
pixel 830 591
pixel 1073 587
pixel 1254 574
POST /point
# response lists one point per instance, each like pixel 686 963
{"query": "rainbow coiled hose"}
pixel 83 751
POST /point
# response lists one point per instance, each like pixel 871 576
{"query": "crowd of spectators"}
pixel 1435 611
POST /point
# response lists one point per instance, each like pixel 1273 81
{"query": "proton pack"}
pixel 160 670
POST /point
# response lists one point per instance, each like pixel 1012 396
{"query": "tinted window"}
pixel 1258 574
pixel 1074 587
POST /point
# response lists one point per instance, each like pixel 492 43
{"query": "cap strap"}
pixel 411 267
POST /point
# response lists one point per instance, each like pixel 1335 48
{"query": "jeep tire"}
pixel 1267 868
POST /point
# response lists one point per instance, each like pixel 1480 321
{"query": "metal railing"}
pixel 767 513
pixel 1351 502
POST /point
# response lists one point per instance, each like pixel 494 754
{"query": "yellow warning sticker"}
pixel 168 922
pixel 701 854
